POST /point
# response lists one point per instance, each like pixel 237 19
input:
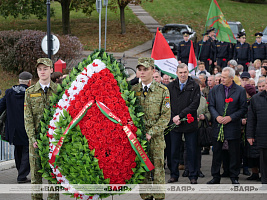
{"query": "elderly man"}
pixel 252 73
pixel 261 85
pixel 166 79
pixel 157 76
pixel 185 98
pixel 211 84
pixel 13 103
pixel 232 64
pixel 256 129
pixel 231 121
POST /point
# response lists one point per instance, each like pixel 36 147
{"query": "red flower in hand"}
pixel 227 101
pixel 230 99
pixel 224 59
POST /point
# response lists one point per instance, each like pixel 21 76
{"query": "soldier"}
pixel 184 48
pixel 36 99
pixel 223 53
pixel 155 100
pixel 259 49
pixel 204 51
pixel 242 52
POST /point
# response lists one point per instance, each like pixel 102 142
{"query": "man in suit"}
pixel 232 126
pixel 13 103
pixel 185 98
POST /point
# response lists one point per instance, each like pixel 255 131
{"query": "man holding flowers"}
pixel 185 98
pixel 227 105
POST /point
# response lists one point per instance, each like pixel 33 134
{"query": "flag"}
pixel 192 61
pixel 216 20
pixel 163 56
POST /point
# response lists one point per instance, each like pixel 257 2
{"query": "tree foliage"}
pixel 26 8
pixel 121 4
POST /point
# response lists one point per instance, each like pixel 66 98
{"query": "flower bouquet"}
pixel 92 133
pixel 188 118
pixel 221 133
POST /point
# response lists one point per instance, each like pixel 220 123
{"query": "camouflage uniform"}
pixel 156 106
pixel 35 102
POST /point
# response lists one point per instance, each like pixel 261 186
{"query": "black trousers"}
pixel 243 62
pixel 22 161
pixel 191 149
pixel 184 60
pixel 234 158
pixel 221 63
pixel 263 165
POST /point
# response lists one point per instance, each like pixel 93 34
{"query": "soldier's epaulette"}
pixel 30 87
pixel 163 86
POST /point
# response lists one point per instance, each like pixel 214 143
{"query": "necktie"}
pixel 145 91
pixel 226 92
pixel 182 86
pixel 45 89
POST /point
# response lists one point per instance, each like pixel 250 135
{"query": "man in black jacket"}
pixel 223 53
pixel 256 129
pixel 183 49
pixel 231 121
pixel 185 98
pixel 258 49
pixel 242 52
pixel 13 103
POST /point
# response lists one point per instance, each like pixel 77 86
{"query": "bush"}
pixel 19 50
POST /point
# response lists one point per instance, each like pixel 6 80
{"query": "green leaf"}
pixel 140 114
pixel 59 88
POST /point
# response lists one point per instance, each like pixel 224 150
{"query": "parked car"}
pixel 264 37
pixel 173 34
pixel 236 27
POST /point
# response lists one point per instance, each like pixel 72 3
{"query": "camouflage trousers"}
pixel 156 155
pixel 36 177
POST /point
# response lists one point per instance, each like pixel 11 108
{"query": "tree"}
pixel 114 4
pixel 25 8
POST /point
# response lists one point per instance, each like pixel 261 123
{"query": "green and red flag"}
pixel 217 20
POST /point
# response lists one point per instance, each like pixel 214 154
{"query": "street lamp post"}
pixel 49 41
pixel 106 19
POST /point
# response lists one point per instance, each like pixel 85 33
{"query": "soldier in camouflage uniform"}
pixel 36 99
pixel 155 100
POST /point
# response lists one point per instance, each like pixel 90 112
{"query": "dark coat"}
pixel 236 110
pixel 184 102
pixel 257 117
pixel 13 102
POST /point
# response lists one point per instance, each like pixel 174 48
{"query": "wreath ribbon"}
pixel 106 111
pixel 131 137
pixel 72 124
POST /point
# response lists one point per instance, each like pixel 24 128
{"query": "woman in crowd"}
pixel 218 79
pixel 217 69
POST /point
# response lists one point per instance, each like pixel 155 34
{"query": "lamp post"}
pixel 99 9
pixel 106 19
pixel 49 41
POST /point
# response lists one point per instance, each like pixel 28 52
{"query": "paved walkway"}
pixel 8 176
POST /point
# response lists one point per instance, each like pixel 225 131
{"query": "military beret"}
pixel 146 62
pixel 25 76
pixel 258 34
pixel 45 61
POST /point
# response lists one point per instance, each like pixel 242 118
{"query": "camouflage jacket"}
pixel 35 102
pixel 156 106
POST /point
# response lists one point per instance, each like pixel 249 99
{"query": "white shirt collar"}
pixel 148 85
pixel 43 86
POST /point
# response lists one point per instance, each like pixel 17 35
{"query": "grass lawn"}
pixel 86 28
pixel 194 12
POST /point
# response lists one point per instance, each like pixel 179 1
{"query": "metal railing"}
pixel 7 151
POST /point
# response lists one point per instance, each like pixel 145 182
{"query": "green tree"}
pixel 114 4
pixel 25 8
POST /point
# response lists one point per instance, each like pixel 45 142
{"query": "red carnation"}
pixel 224 59
pixel 227 101
pixel 208 102
pixel 230 99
